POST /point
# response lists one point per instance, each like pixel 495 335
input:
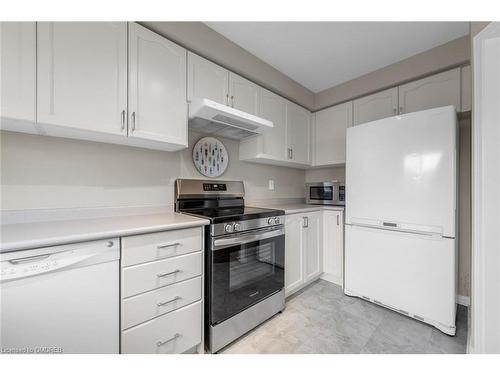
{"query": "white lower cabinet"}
pixel 294 253
pixel 303 255
pixel 162 292
pixel 172 333
pixel 314 248
pixel 333 246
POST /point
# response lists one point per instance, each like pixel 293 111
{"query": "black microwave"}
pixel 329 192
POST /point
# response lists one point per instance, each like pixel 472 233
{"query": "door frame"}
pixel 485 301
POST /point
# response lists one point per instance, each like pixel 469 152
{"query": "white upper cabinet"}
pixel 244 95
pixel 438 90
pixel 376 106
pixel 157 88
pixel 273 108
pixel 298 127
pixel 207 80
pixel 329 134
pixel 82 75
pixel 466 82
pixel 18 76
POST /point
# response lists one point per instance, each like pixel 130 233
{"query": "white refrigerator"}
pixel 401 199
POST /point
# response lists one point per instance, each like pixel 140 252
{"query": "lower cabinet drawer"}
pixel 172 333
pixel 145 306
pixel 148 276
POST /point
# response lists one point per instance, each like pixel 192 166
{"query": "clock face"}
pixel 210 157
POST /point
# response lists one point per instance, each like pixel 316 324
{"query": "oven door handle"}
pixel 221 243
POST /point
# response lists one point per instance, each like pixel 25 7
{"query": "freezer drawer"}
pixel 414 273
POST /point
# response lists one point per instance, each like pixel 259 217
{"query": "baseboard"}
pixel 331 278
pixel 463 300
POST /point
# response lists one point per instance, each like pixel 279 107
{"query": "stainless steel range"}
pixel 245 258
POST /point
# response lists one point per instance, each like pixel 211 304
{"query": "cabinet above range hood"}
pixel 210 117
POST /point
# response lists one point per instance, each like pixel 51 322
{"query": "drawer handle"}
pixel 159 304
pixel 168 245
pixel 168 273
pixel 175 337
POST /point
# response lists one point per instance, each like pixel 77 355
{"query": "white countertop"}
pixel 50 233
pixel 294 208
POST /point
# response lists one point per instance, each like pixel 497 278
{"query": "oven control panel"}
pixel 245 225
pixel 214 187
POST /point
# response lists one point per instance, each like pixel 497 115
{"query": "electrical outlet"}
pixel 271 184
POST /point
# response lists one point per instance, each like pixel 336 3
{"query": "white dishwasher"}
pixel 61 299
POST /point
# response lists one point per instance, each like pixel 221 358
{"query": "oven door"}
pixel 243 270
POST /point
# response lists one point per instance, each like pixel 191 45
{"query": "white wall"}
pixel 47 172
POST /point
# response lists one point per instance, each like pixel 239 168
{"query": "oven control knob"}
pixel 228 228
pixel 237 227
pixel 276 220
pixel 271 221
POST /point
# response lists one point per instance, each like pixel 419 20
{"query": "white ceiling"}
pixel 320 55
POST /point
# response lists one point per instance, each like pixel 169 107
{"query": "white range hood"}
pixel 210 117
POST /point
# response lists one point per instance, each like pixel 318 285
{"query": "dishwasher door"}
pixel 61 299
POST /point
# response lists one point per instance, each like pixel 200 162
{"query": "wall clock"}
pixel 210 157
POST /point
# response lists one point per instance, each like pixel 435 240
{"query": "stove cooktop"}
pixel 227 214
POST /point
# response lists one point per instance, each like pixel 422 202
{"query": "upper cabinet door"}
pixel 435 91
pixel 157 87
pixel 376 106
pixel 329 134
pixel 466 88
pixel 18 75
pixel 243 94
pixel 82 75
pixel 273 108
pixel 207 80
pixel 298 126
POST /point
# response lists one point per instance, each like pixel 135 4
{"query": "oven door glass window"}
pixel 244 274
pixel 322 193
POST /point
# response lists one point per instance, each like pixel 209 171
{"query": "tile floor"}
pixel 321 319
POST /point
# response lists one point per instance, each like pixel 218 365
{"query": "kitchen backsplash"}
pixel 47 172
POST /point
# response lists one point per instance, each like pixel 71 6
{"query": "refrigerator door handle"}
pixel 396 229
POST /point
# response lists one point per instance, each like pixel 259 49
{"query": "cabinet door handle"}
pixel 160 275
pixel 337 220
pixel 168 245
pixel 291 153
pixel 227 99
pixel 395 111
pixel 123 121
pixel 400 110
pixel 161 343
pixel 306 222
pixel 160 304
pixel 232 101
pixel 133 121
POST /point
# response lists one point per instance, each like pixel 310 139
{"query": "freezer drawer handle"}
pixel 392 225
pixel 29 259
pixel 160 304
pixel 168 245
pixel 160 275
pixel 175 337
